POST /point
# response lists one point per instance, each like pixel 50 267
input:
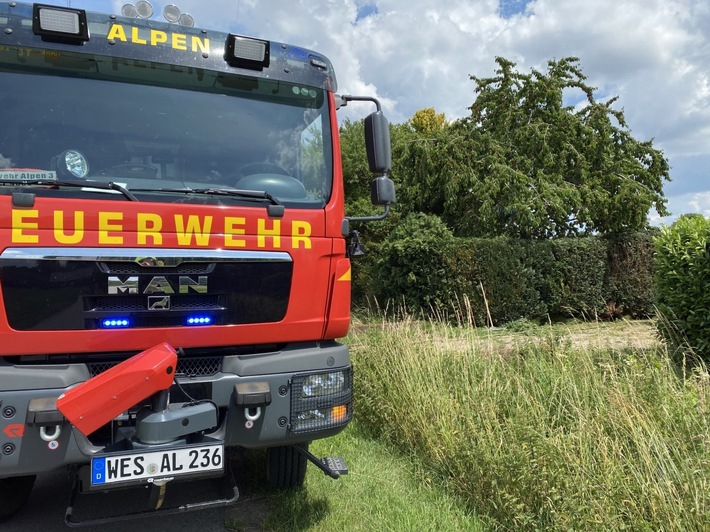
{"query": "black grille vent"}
pixel 140 303
pixel 130 268
pixel 189 367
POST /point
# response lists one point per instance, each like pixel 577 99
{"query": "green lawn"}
pixel 381 492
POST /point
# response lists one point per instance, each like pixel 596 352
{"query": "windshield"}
pixel 154 127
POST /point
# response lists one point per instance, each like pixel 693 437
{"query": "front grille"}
pixel 137 308
pixel 139 303
pixel 80 294
pixel 188 367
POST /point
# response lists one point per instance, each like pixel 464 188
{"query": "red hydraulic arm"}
pixel 100 399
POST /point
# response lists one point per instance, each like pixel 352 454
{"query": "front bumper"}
pixel 33 441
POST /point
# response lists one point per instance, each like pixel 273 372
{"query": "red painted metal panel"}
pixel 97 401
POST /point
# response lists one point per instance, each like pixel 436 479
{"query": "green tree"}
pixel 682 262
pixel 524 164
pixel 356 171
pixel 427 121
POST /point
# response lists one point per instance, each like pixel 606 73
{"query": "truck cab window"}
pixel 184 130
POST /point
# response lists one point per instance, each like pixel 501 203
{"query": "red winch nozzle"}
pixel 95 402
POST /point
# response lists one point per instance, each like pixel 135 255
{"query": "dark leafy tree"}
pixel 524 164
pixel 427 121
pixel 356 172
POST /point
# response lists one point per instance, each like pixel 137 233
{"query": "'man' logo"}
pixel 157 285
pixel 158 302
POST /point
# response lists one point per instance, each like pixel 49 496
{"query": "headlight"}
pixel 323 384
pixel 71 164
pixel 321 401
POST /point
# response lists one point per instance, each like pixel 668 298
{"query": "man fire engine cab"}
pixel 174 257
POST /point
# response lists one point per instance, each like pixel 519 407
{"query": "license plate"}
pixel 147 467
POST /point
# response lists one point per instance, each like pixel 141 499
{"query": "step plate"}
pixel 336 464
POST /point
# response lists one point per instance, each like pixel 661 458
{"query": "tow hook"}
pixel 42 413
pixel 252 396
pixel 251 418
pixel 47 436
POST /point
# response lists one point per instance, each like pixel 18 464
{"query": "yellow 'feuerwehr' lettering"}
pixel 134 37
pixel 70 228
pixel 149 225
pixel 63 237
pixel 234 225
pixel 262 232
pixel 300 233
pixel 117 32
pixel 185 233
pixel 106 226
pixel 21 222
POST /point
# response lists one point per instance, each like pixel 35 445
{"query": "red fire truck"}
pixel 174 254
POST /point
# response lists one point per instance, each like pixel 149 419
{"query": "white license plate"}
pixel 155 465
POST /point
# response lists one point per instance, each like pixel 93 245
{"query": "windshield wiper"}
pixel 255 194
pixel 101 185
pixel 276 208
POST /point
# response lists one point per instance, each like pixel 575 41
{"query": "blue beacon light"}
pixel 115 323
pixel 199 320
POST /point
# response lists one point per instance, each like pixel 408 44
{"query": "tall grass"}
pixel 535 432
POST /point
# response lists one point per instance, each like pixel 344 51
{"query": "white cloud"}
pixel 698 202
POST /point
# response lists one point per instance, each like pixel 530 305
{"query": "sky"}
pixel 654 55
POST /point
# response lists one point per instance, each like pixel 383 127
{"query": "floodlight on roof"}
pixel 60 23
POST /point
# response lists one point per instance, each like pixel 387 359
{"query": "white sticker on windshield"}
pixel 22 174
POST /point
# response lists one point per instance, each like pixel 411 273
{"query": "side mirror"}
pixel 377 143
pixel 379 158
pixel 382 191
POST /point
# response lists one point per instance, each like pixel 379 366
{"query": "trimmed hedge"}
pixel 580 270
pixel 415 265
pixel 503 284
pixel 682 280
pixel 631 273
pixel 423 266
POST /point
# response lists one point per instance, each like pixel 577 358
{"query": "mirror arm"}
pixel 370 218
pixel 345 98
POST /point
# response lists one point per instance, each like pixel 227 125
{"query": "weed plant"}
pixel 535 432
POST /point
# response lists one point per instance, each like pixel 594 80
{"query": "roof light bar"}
pixel 186 20
pixel 172 14
pixel 60 24
pixel 144 9
pixel 129 11
pixel 247 52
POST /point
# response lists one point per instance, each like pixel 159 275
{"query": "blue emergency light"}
pixel 115 323
pixel 199 320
